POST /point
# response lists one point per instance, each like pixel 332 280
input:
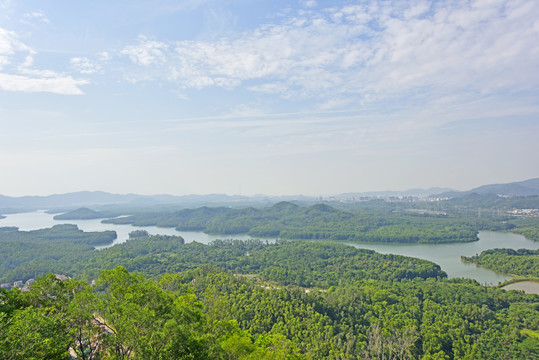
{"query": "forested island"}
pixel 318 222
pixel 372 222
pixel 27 254
pixel 522 262
pixel 80 214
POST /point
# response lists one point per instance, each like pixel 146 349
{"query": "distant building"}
pixel 18 284
pixel 525 212
pixel 6 286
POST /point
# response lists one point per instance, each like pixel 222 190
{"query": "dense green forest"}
pixel 522 262
pixel 27 254
pixel 371 221
pixel 308 263
pixel 317 222
pixel 443 221
pixel 251 300
pixel 529 227
pixel 80 214
pixel 206 313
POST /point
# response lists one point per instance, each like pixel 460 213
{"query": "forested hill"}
pixel 81 214
pixel 522 262
pixel 290 221
pixel 66 250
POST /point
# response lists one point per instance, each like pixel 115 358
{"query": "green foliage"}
pixel 206 313
pixel 256 300
pixel 80 214
pixel 8 228
pixel 289 221
pixel 300 263
pixel 138 234
pixel 529 227
pixel 521 262
pixel 307 264
pixel 145 321
pixel 492 201
pixel 34 333
pixel 455 220
pixel 28 254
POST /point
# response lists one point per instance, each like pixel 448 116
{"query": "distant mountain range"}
pixel 520 188
pixel 389 193
pixel 104 200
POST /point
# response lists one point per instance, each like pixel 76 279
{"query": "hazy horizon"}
pixel 260 194
pixel 267 97
pixel 227 194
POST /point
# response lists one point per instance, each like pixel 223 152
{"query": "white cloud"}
pixel 6 8
pixel 9 46
pixel 147 52
pixel 64 85
pixel 18 72
pixel 37 15
pixel 84 66
pixel 373 50
pixel 309 3
pixel 104 56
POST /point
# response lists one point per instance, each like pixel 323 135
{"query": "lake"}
pixel 530 287
pixel 445 255
pixel 448 255
pixel 41 220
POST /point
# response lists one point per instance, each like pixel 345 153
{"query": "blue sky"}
pixel 272 97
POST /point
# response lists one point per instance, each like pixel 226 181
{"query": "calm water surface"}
pixel 530 287
pixel 448 255
pixel 41 220
pixel 445 255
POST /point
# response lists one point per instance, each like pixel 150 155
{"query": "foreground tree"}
pixel 144 321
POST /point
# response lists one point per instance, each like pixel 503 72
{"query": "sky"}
pixel 266 97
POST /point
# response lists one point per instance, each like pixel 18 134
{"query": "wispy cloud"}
pixel 5 9
pixel 64 85
pixel 17 71
pixel 38 16
pixel 9 46
pixel 269 94
pixel 363 53
pixel 371 51
pixel 146 52
pixel 85 66
pixel 309 3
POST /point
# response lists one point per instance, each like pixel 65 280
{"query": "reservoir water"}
pixel 41 220
pixel 448 255
pixel 530 287
pixel 445 255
